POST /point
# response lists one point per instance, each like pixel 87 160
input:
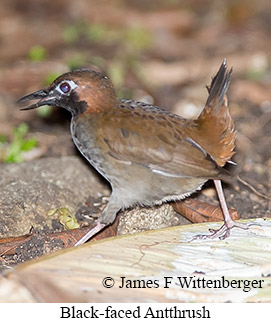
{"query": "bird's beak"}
pixel 46 98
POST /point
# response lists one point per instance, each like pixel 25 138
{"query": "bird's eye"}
pixel 65 87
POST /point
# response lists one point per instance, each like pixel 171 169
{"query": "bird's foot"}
pixel 224 231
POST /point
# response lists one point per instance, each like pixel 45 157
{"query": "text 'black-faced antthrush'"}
pixel 148 154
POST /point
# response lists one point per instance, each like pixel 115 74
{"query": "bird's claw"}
pixel 224 231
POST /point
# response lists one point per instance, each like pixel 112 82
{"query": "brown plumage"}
pixel 148 154
pixel 215 121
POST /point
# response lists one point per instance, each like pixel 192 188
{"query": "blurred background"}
pixel 157 51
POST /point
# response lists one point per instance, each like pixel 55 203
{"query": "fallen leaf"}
pixel 197 212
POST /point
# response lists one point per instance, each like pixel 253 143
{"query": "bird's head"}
pixel 78 91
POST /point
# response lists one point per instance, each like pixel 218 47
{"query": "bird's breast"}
pixel 84 135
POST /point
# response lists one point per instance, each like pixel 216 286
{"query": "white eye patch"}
pixel 66 86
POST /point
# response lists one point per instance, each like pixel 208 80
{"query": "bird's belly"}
pixel 139 185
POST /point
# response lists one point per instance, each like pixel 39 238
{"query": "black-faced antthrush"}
pixel 148 154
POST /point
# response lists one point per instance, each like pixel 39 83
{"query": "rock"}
pixel 29 190
pixel 147 218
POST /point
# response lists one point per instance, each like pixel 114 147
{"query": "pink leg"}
pixel 99 226
pixel 224 231
pixel 108 216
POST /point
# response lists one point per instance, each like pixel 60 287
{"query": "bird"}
pixel 148 154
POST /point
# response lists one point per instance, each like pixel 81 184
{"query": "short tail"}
pixel 215 126
pixel 219 86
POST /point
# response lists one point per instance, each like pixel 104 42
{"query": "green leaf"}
pixel 3 139
pixel 50 78
pixel 45 111
pixel 138 38
pixel 21 130
pixel 76 61
pixel 116 73
pixel 19 144
pixel 29 144
pixel 96 32
pixel 37 53
pixel 70 33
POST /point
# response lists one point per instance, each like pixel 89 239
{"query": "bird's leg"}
pixel 98 227
pixel 224 231
pixel 108 216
